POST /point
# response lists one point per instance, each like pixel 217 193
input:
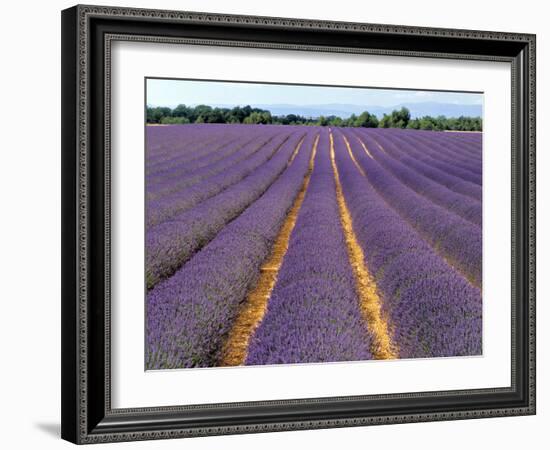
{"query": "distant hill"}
pixel 346 110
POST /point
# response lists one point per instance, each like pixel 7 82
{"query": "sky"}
pixel 161 92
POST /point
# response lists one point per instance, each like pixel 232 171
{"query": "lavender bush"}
pixel 218 195
pixel 454 237
pixel 172 204
pixel 455 203
pixel 420 153
pixel 432 309
pixel 189 314
pixel 313 314
pixel 171 243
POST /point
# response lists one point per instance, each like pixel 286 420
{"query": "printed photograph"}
pixel 299 224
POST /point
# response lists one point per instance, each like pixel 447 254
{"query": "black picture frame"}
pixel 87 32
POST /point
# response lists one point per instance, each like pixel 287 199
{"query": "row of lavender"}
pixel 431 308
pixel 168 145
pixel 313 313
pixel 189 313
pixel 418 224
pixel 191 180
pixel 181 222
pixel 457 239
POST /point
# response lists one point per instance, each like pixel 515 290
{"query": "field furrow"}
pixel 313 314
pixel 442 149
pixel 370 304
pixel 456 184
pixel 183 170
pixel 454 237
pixel 469 168
pixel 417 152
pixel 253 310
pixel 455 203
pixel 254 155
pixel 452 141
pixel 170 244
pixel 168 145
pixel 215 151
pixel 284 243
pixel 472 140
pixel 190 314
pixel 431 309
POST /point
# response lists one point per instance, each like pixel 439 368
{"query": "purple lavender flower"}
pixel 190 313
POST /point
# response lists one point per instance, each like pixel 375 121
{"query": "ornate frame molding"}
pixel 77 414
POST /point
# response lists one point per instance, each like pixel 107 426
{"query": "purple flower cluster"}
pixel 170 179
pixel 432 309
pixel 454 183
pixel 170 144
pixel 217 196
pixel 189 314
pixel 223 175
pixel 457 144
pixel 423 153
pixel 313 313
pixel 465 207
pixel 170 244
pixel 444 148
pixel 180 172
pixel 454 237
pixel 472 142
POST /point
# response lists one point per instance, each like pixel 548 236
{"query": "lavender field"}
pixel 279 244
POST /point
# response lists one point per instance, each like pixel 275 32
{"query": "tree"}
pixel 155 115
pixel 180 111
pixel 322 121
pixel 200 111
pixel 258 118
pixel 175 120
pixel 292 118
pixel 366 120
pixel 336 121
pixel 400 118
pixel 385 122
pixel 427 123
pixel 397 119
pixel 213 116
pixel 414 124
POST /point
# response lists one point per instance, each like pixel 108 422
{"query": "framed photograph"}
pixel 279 224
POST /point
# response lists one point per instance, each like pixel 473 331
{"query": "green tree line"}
pixel 401 118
